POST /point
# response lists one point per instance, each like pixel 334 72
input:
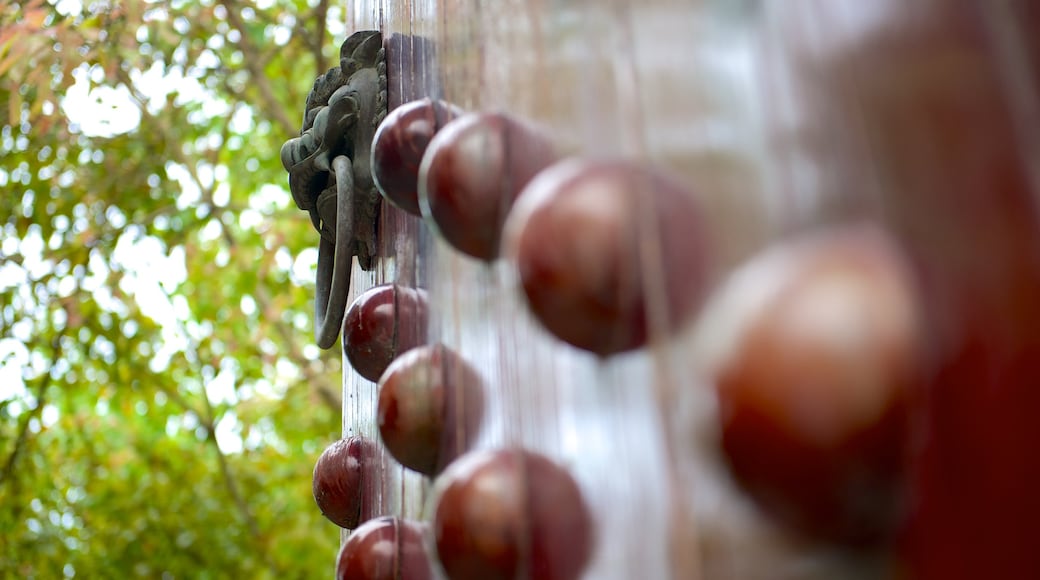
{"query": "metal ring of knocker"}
pixel 335 261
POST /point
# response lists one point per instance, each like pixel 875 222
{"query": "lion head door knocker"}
pixel 330 174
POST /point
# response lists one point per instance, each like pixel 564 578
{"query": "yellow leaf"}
pixel 34 17
pixel 7 36
pixel 8 62
pixel 14 108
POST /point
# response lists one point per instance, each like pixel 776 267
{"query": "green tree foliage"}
pixel 161 403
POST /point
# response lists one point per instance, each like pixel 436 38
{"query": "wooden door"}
pixel 707 91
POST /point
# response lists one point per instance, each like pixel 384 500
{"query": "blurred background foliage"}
pixel 161 400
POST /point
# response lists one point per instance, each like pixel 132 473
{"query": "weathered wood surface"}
pixel 667 82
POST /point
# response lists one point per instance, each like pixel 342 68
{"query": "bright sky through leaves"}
pixel 161 400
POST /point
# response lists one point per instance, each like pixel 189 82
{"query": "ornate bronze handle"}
pixel 330 175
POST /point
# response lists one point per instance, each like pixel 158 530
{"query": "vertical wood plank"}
pixel 668 82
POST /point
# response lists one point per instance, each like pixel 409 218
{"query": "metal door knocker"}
pixel 330 175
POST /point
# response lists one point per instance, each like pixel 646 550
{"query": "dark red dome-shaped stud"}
pixel 472 172
pixel 510 514
pixel 386 548
pixel 578 235
pixel 382 323
pixel 430 405
pixel 339 480
pixel 399 145
pixel 815 390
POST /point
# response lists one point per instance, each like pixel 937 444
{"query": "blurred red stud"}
pixel 510 514
pixel 399 145
pixel 472 172
pixel 430 405
pixel 596 241
pixel 815 388
pixel 386 548
pixel 382 323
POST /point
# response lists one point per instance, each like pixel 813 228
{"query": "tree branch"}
pixel 23 429
pixel 255 67
pixel 263 300
pixel 327 394
pixel 209 424
pixel 321 13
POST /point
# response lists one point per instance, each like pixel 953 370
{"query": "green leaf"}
pixel 123 479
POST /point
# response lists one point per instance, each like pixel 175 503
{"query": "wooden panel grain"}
pixel 565 66
pixel 670 83
pixel 395 490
